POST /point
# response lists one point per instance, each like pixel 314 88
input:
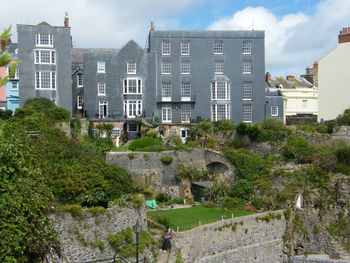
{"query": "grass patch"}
pixel 188 218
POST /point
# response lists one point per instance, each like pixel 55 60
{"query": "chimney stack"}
pixel 344 35
pixel 152 26
pixel 267 77
pixel 66 20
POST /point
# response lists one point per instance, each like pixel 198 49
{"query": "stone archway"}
pixel 217 169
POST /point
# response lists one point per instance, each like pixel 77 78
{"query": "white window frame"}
pixel 274 111
pixel 185 113
pixel 185 48
pixel 215 108
pixel 39 80
pixel 219 67
pixel 101 114
pixel 115 132
pixel 101 67
pixel 247 67
pixel 247 91
pixel 166 48
pixel 166 90
pixel 131 67
pixel 215 88
pixel 166 67
pixel 14 87
pixel 39 40
pixel 79 102
pixel 185 91
pixel 38 56
pixel 80 80
pixel 101 89
pixel 8 69
pixel 132 108
pixel 166 114
pixel 247 47
pixel 185 67
pixel 218 47
pixel 247 113
pixel 127 86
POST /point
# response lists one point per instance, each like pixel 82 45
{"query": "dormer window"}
pixel 44 40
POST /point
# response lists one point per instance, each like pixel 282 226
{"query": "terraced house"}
pixel 179 78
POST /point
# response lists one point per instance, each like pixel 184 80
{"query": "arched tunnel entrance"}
pixel 217 169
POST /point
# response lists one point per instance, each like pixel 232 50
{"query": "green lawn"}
pixel 187 218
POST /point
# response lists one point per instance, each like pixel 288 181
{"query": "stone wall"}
pixel 252 241
pixel 79 235
pixel 317 259
pixel 147 166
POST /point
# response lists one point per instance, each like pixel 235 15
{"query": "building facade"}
pixel 180 78
pixel 334 79
pixel 45 64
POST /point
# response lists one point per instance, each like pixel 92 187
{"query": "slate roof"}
pixel 78 53
pixel 280 82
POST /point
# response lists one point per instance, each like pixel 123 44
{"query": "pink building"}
pixel 3 72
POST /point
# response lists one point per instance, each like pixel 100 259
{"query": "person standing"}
pixel 167 237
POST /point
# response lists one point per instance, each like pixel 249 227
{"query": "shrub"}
pixel 343 154
pixel 5 114
pixel 253 132
pixel 145 156
pixel 296 148
pixel 74 210
pixel 162 197
pixel 287 213
pixel 166 159
pixel 242 128
pixel 208 204
pixel 97 210
pixel 241 189
pixel 152 134
pixel 216 191
pixel 190 173
pixel 233 203
pixel 173 140
pixel 236 143
pixel 224 125
pixel 273 130
pixel 143 143
pixel 257 202
pixel 138 201
pixel 178 200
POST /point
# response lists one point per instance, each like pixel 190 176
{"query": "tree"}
pixel 5 58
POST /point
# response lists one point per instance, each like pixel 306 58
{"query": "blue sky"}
pixel 297 32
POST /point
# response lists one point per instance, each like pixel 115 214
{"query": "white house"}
pixel 334 79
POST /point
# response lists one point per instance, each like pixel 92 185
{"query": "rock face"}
pixel 252 241
pixel 147 166
pixel 79 236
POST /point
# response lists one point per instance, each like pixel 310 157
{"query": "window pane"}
pixel 185 113
pixel 247 113
pixel 166 48
pixel 247 67
pixel 185 47
pixel 166 67
pixel 219 67
pixel 218 47
pixel 247 47
pixel 185 90
pixel 166 90
pixel 185 67
pixel 247 91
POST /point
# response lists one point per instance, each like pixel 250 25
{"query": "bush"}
pixel 166 159
pixel 242 128
pixel 233 203
pixel 143 143
pixel 173 140
pixel 343 154
pixel 178 200
pixel 152 134
pixel 190 173
pixel 216 191
pixel 257 202
pixel 74 210
pixel 236 143
pixel 241 189
pixel 272 130
pixel 208 204
pixel 224 125
pixel 162 197
pixel 5 114
pixel 138 201
pixel 296 148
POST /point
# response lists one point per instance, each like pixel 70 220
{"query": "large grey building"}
pixel 44 52
pixel 180 78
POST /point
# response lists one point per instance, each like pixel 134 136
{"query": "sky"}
pixel 297 32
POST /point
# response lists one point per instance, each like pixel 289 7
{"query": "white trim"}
pixel 218 47
pixel 214 90
pixel 247 47
pixel 138 86
pixel 38 80
pixel 166 114
pixel 166 67
pixel 38 56
pixel 101 115
pixel 185 67
pixel 166 47
pixel 183 47
pixel 247 67
pixel 274 109
pixel 39 39
pixel 79 102
pixel 100 86
pixel 82 80
pixel 131 67
pixel 101 67
pixel 134 107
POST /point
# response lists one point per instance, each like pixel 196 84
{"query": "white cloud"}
pixel 294 40
pixel 103 23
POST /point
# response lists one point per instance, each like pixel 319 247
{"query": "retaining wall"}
pixel 254 241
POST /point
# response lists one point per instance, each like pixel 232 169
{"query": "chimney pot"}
pixel 66 20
